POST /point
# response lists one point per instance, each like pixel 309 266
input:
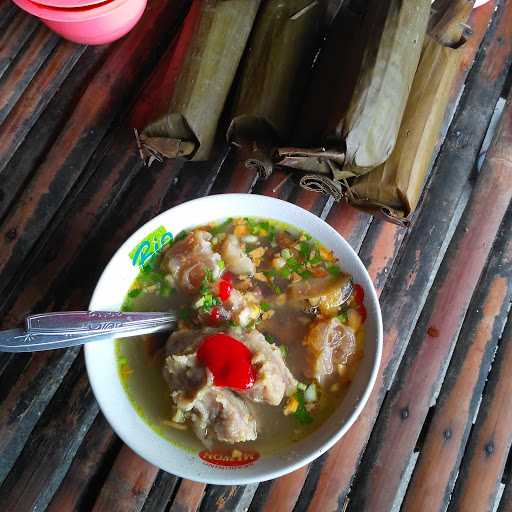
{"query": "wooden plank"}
pixel 49 451
pixel 24 161
pixel 86 471
pixel 7 12
pixel 441 453
pixel 31 387
pixel 189 497
pixel 229 498
pixel 161 493
pixel 128 484
pixel 406 291
pixel 104 98
pixel 25 68
pixel 490 440
pixel 14 38
pixel 284 492
pixel 379 250
pixel 236 178
pixel 350 223
pixel 35 99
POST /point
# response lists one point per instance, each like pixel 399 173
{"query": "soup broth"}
pixel 258 276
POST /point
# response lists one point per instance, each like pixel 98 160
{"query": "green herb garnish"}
pixel 270 339
pixel 184 313
pixel 221 227
pixel 264 306
pixel 343 317
pixel 302 414
pixel 284 350
pixel 181 235
pixel 305 250
pixel 135 292
pixel 334 270
pixel 166 290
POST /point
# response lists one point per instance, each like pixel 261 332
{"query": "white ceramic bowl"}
pixel 101 364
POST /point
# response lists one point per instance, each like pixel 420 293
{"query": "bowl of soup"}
pixel 276 347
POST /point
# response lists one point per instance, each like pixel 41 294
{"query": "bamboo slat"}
pixel 395 435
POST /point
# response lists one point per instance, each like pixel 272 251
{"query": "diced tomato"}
pixel 215 316
pixel 227 276
pixel 225 286
pixel 362 311
pixel 358 293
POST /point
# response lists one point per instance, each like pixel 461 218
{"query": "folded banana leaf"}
pixel 201 72
pixel 396 186
pixel 274 74
pixel 328 95
pixel 365 135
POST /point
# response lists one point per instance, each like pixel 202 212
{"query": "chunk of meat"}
pixel 274 380
pixel 187 379
pixel 235 259
pixel 187 260
pixel 214 413
pixel 329 343
pixel 218 413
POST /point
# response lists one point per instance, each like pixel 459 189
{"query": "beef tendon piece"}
pixel 274 379
pixel 236 260
pixel 331 345
pixel 188 259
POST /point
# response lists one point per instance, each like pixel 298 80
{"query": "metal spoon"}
pixel 48 331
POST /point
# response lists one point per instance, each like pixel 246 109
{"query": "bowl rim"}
pixel 78 14
pixel 314 453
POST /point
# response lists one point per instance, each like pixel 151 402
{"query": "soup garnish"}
pixel 269 336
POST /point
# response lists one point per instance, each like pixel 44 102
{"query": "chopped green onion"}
pixel 293 264
pixel 184 313
pixel 286 254
pixel 285 272
pixel 302 414
pixel 305 250
pixel 334 270
pixel 277 290
pixel 270 339
pixel 301 386
pixel 221 227
pixel 166 290
pixel 181 235
pixel 284 350
pixel 315 260
pixel 264 306
pixel 343 317
pixel 221 265
pixel 134 293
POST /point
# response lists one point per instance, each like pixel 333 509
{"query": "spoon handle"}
pixel 50 331
pixel 94 322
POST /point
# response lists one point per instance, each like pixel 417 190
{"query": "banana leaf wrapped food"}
pixel 200 75
pixel 365 134
pixel 273 77
pixel 395 187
